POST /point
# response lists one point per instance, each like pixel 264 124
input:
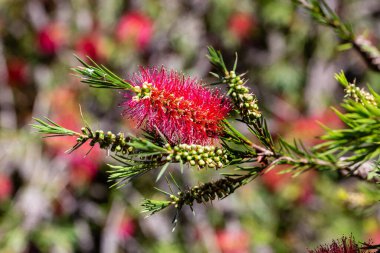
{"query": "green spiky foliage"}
pixel 359 142
pixel 236 158
pixel 98 76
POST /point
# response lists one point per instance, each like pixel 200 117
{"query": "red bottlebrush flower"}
pixel 135 28
pixel 177 106
pixel 241 25
pixel 344 245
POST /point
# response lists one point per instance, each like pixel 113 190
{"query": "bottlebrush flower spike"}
pixel 344 245
pixel 177 106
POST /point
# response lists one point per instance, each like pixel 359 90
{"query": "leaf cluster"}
pixel 98 76
pixel 360 140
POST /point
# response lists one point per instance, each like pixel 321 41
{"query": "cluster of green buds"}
pixel 357 94
pixel 115 143
pixel 142 92
pixel 197 155
pixel 205 192
pixel 244 101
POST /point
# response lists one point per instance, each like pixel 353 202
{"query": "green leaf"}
pixel 162 171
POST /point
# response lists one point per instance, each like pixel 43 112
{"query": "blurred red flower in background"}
pixel 233 240
pixel 17 70
pixel 306 184
pixel 308 129
pixel 273 180
pixel 126 228
pixel 65 107
pixel 6 187
pixel 91 45
pixel 135 28
pixel 82 170
pixel 51 38
pixel 241 25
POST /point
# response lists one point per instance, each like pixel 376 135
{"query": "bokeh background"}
pixel 54 202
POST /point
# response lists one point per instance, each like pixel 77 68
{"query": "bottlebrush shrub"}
pixel 185 122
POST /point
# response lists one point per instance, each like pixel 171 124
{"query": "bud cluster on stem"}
pixel 202 193
pixel 244 101
pixel 358 94
pixel 205 192
pixel 197 155
pixel 355 93
pixel 115 143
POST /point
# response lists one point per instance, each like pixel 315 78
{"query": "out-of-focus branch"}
pixel 8 117
pixel 322 13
